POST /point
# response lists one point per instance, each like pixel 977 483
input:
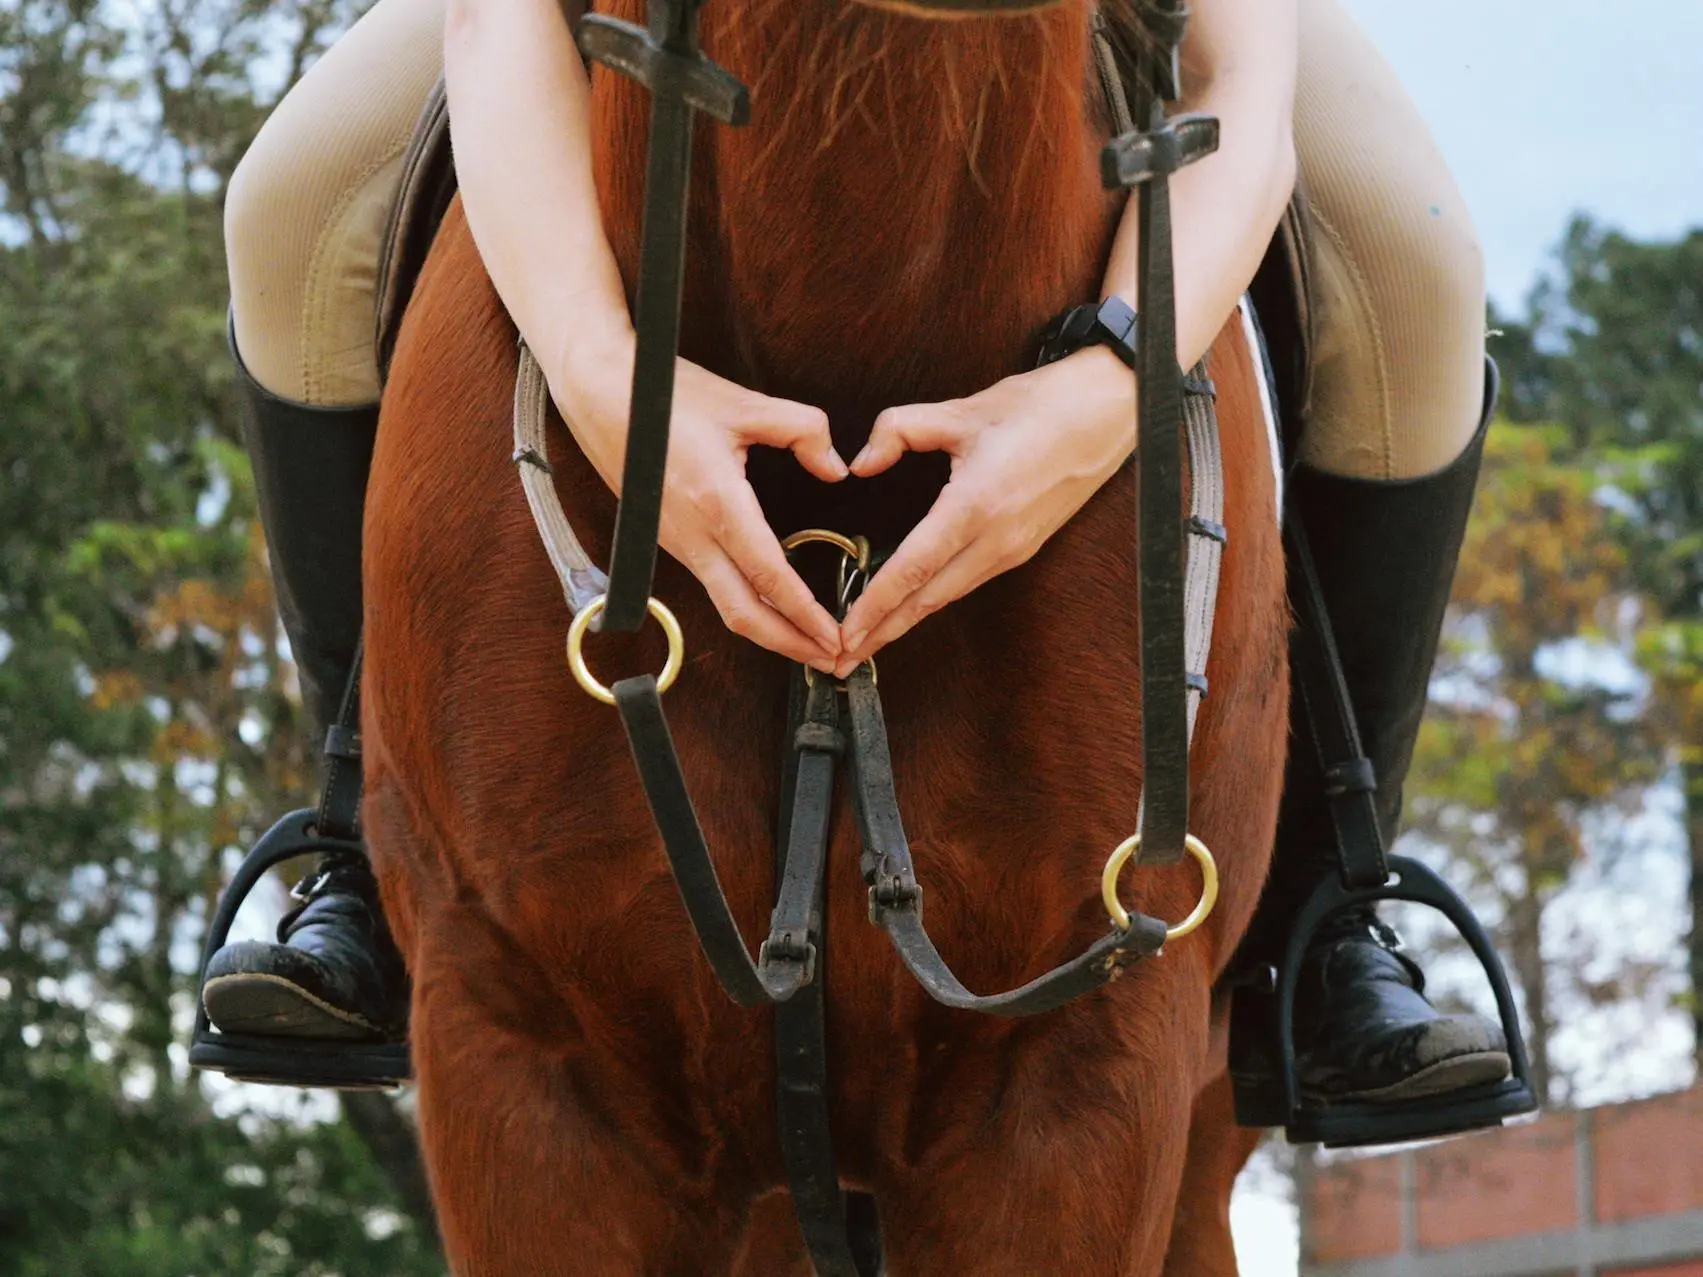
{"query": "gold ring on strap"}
pixel 854 548
pixel 856 551
pixel 1208 889
pixel 576 648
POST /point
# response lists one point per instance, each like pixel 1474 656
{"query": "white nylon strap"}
pixel 1205 544
pixel 581 579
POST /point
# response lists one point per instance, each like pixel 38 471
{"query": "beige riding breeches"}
pixel 1399 278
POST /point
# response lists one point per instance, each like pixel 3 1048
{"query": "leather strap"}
pixel 667 60
pixel 640 706
pixel 1351 783
pixel 791 955
pixel 839 1245
pixel 339 813
pixel 895 898
pixel 1164 684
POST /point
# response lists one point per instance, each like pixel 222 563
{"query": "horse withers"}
pixel 910 204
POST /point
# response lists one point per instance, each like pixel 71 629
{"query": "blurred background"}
pixel 149 715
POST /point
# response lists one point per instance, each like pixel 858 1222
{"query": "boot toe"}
pixel 279 990
pixel 1435 1056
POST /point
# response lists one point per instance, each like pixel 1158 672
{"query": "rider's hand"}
pixel 711 521
pixel 1027 454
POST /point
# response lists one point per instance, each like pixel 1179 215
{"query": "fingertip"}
pixel 874 457
pixel 828 466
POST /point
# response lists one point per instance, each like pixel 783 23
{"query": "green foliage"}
pixel 147 719
pixel 1514 757
pixel 1615 351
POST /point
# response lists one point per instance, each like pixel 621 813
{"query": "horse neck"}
pixel 910 203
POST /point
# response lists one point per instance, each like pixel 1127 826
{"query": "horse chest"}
pixel 908 207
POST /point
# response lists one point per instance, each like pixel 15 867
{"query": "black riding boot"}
pixel 334 972
pixel 1363 1031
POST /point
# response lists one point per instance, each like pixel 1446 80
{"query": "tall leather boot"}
pixel 1364 1032
pixel 334 971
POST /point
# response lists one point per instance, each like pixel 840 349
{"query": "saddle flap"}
pixel 1282 296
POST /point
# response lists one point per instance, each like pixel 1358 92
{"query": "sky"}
pixel 1545 107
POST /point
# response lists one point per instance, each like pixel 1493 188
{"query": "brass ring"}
pixel 874 676
pixel 854 548
pixel 1208 889
pixel 857 553
pixel 576 648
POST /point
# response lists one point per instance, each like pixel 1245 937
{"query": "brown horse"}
pixel 910 204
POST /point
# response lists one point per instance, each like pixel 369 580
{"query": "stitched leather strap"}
pixel 1350 781
pixel 1164 689
pixel 666 59
pixel 791 956
pixel 339 813
pixel 640 706
pixel 840 1245
pixel 895 899
pixel 1146 160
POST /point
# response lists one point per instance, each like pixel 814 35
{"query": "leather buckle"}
pixel 790 946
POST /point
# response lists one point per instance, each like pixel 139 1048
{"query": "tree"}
pixel 147 711
pixel 1517 752
pixel 1614 352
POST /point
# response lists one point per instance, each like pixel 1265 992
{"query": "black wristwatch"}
pixel 1112 322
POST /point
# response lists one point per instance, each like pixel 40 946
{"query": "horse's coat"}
pixel 910 204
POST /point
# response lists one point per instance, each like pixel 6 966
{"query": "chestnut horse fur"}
pixel 912 201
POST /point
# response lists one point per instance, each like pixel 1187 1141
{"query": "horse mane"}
pixel 971 120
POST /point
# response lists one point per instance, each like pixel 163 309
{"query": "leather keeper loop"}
pixel 342 742
pixel 1354 776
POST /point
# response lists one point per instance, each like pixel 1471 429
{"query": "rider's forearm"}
pixel 1241 68
pixel 519 98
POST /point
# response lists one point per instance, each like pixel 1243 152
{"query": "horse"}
pixel 913 199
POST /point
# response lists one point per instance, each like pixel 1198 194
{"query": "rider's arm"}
pixel 519 116
pixel 1240 61
pixel 1029 451
pixel 519 100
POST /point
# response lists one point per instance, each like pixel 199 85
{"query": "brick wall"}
pixel 1609 1192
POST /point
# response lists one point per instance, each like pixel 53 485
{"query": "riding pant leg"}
pixel 1398 272
pixel 309 203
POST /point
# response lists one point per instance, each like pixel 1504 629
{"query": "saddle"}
pixel 1281 291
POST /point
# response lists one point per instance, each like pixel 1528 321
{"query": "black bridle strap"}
pixel 1146 160
pixel 838 1246
pixel 792 954
pixel 667 60
pixel 895 899
pixel 780 973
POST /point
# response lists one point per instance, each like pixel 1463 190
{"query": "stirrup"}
pixel 285 1061
pixel 1279 1103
